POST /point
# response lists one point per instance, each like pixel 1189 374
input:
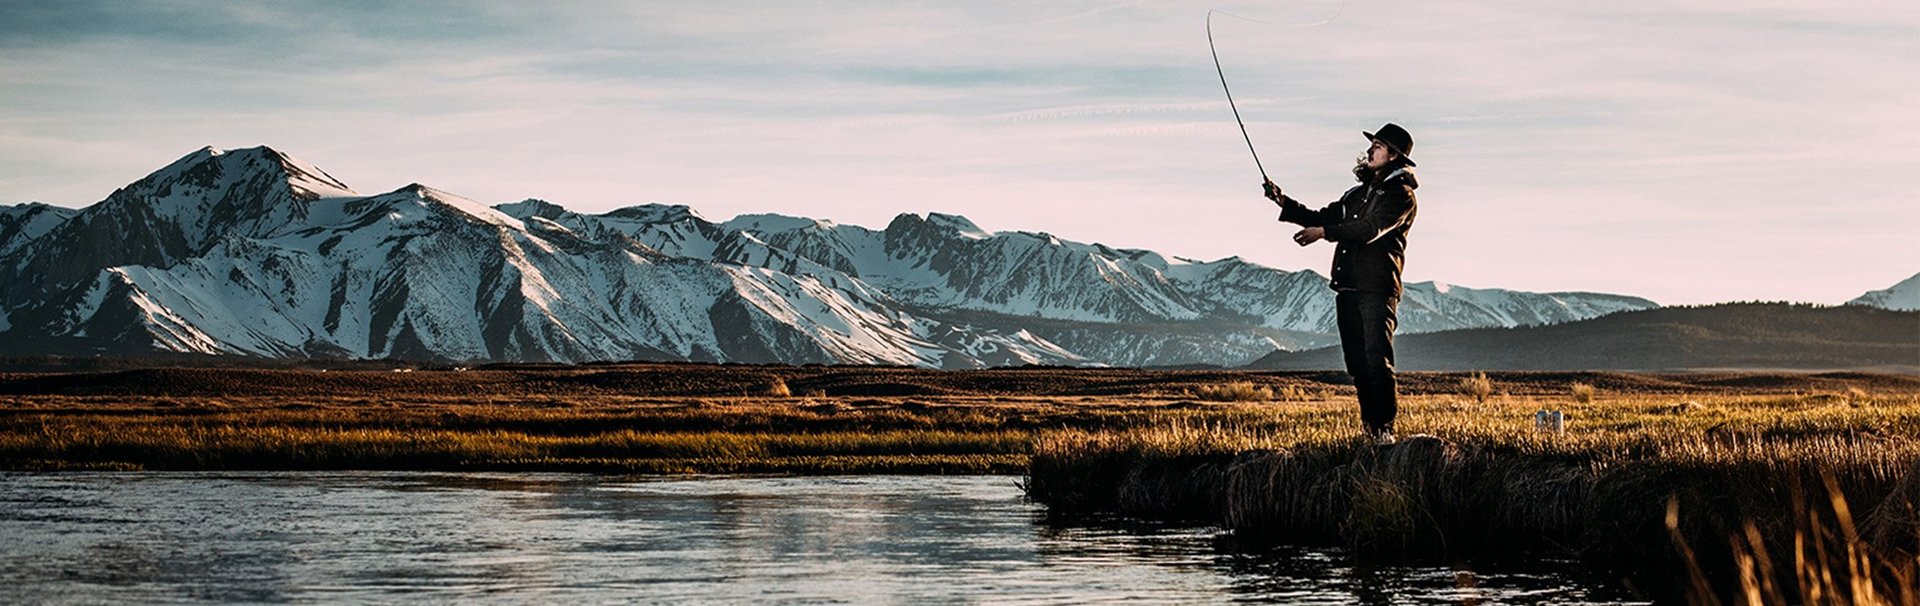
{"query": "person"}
pixel 1368 226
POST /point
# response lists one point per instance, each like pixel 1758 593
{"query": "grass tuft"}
pixel 1582 392
pixel 1241 391
pixel 1477 386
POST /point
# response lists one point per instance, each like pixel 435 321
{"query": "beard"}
pixel 1364 174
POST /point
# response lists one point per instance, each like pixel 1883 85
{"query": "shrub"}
pixel 1477 387
pixel 1240 391
pixel 1582 393
pixel 1856 396
pixel 1294 393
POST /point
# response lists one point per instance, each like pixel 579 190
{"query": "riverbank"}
pixel 1782 496
pixel 690 418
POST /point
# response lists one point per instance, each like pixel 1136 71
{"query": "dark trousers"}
pixel 1366 324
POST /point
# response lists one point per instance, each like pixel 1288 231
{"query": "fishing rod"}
pixel 1229 90
pixel 1230 104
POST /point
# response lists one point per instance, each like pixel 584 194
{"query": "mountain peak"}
pixel 187 162
pixel 937 225
pixel 305 177
pixel 532 207
pixel 211 193
pixel 209 167
pixel 657 213
pixel 22 223
pixel 957 224
pixel 456 203
pixel 772 223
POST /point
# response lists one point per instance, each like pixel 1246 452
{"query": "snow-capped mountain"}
pixel 252 252
pixel 1904 296
pixel 1437 306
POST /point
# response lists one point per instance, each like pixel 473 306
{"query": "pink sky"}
pixel 1689 154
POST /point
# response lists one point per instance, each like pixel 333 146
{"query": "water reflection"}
pixel 251 537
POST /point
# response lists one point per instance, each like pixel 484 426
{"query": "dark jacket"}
pixel 1369 227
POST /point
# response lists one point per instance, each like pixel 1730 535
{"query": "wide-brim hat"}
pixel 1396 139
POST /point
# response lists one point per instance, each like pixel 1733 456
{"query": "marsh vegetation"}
pixel 1787 496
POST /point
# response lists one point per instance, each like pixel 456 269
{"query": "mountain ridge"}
pixel 1770 336
pixel 253 252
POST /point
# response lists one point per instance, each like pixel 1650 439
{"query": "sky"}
pixel 1689 153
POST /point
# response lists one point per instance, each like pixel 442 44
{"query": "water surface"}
pixel 517 538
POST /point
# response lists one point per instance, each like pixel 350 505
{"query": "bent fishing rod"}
pixel 1230 104
pixel 1223 74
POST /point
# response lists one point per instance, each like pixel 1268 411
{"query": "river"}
pixel 551 538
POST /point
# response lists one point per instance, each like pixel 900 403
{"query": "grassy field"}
pixel 694 418
pixel 1725 472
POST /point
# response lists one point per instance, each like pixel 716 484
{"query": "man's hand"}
pixel 1272 191
pixel 1309 236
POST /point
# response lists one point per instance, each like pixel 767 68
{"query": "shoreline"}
pixel 1754 510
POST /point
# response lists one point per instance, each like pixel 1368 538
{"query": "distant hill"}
pixel 1724 336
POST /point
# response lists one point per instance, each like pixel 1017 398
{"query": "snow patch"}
pixel 306 177
pixel 958 225
pixel 656 213
pixel 469 207
pixel 771 223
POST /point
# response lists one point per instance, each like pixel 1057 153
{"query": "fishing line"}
pixel 1223 73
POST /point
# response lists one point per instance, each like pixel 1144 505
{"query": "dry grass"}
pixel 1238 391
pixel 692 435
pixel 1831 562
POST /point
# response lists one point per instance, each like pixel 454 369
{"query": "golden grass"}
pixel 696 435
pixel 1831 562
pixel 1247 391
pixel 1238 391
pixel 290 432
pixel 1698 428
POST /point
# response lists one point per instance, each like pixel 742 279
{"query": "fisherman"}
pixel 1368 226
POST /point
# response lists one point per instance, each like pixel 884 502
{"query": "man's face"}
pixel 1378 155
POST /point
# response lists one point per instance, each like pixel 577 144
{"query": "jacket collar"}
pixel 1403 174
